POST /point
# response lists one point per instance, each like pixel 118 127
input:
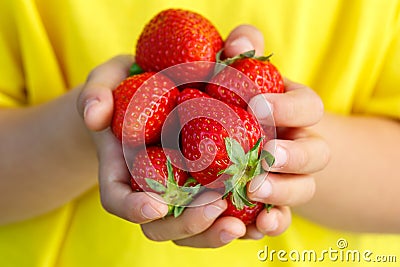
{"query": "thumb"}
pixel 95 103
pixel 242 39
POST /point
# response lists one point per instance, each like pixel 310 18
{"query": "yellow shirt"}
pixel 348 51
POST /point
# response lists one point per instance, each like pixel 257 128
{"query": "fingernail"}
pixel 257 235
pixel 256 183
pixel 261 108
pixel 279 152
pixel 263 191
pixel 88 104
pixel 273 225
pixel 212 211
pixel 149 212
pixel 280 157
pixel 226 237
pixel 243 43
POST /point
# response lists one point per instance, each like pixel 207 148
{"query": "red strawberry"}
pixel 248 214
pixel 177 36
pixel 207 123
pixel 190 93
pixel 222 144
pixel 153 96
pixel 247 76
pixel 152 163
pixel 159 170
pixel 194 85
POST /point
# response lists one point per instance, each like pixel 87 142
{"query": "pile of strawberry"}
pixel 218 143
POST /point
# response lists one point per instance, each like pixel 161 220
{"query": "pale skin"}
pixel 323 160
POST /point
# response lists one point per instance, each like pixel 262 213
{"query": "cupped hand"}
pixel 298 151
pixel 95 105
pixel 196 227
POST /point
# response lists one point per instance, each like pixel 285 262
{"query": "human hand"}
pixel 289 183
pixel 95 104
pixel 196 226
pixel 298 151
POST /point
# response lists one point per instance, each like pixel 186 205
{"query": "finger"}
pixel 193 220
pixel 308 153
pixel 253 233
pixel 95 103
pixel 242 39
pixel 222 232
pixel 299 106
pixel 116 194
pixel 275 221
pixel 281 189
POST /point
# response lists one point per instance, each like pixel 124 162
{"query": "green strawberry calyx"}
pixel 244 167
pixel 135 69
pixel 247 54
pixel 177 197
pixel 221 63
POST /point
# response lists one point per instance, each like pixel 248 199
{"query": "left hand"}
pixel 298 151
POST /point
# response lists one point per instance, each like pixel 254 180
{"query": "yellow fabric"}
pixel 348 51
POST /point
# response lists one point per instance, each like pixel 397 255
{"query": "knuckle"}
pixel 131 215
pixel 326 154
pixel 323 156
pixel 151 235
pixel 311 190
pixel 289 196
pixel 297 193
pixel 317 105
pixel 302 160
pixel 320 107
pixel 106 204
pixel 307 192
pixel 324 160
pixel 286 196
pixel 190 229
pixel 93 73
pixel 289 112
pixel 285 220
pixel 281 194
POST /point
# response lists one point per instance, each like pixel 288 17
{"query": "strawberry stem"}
pixel 268 207
pixel 247 54
pixel 135 69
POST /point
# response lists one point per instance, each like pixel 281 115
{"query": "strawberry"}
pixel 222 145
pixel 177 36
pixel 152 163
pixel 190 93
pixel 153 96
pixel 245 77
pixel 207 123
pixel 247 214
pixel 159 170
